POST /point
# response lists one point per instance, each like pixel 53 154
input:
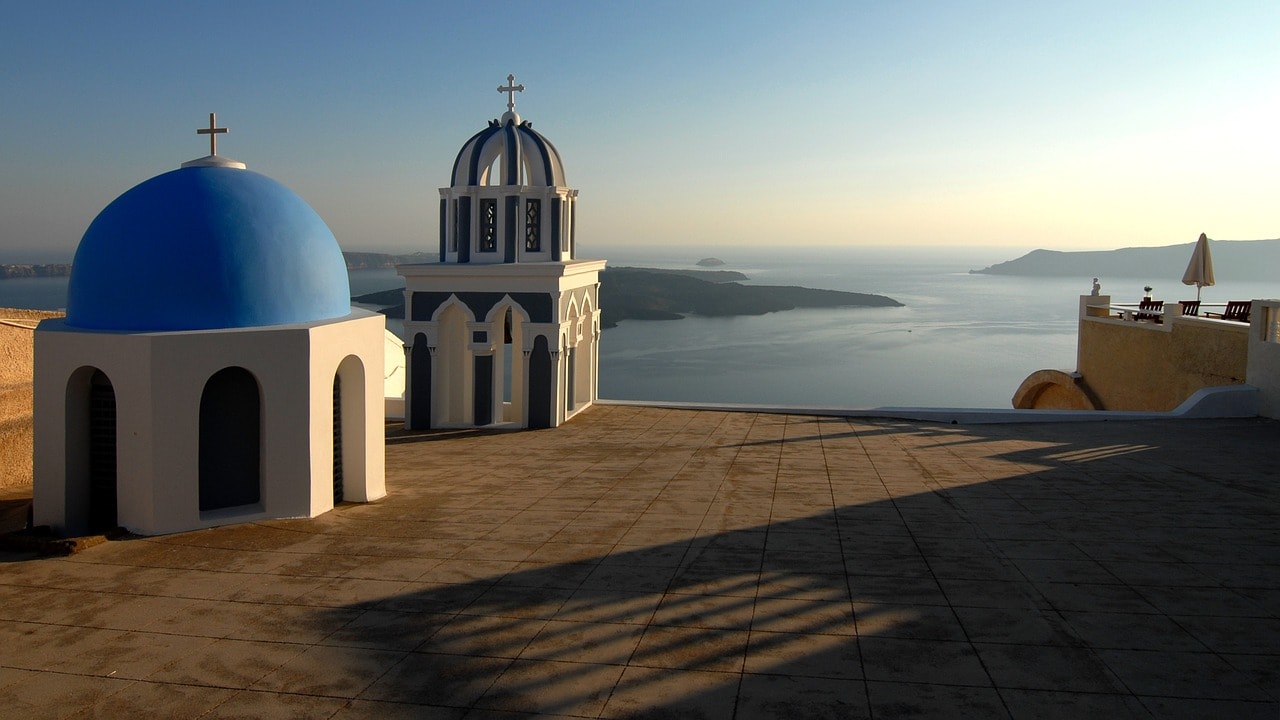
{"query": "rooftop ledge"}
pixel 1229 401
pixel 521 269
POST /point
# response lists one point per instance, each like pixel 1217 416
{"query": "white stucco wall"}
pixel 158 380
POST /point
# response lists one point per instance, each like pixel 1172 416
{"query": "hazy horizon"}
pixel 1068 127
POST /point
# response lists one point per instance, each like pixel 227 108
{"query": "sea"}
pixel 960 340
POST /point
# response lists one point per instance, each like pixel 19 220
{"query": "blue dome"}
pixel 202 248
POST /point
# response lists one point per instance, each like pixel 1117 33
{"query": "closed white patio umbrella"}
pixel 1200 269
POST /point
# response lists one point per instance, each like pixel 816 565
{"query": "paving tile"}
pixel 1181 675
pixel 917 700
pixel 785 614
pixel 767 697
pixel 684 648
pixel 1191 708
pixel 273 706
pixel 608 643
pixel 590 605
pixel 434 679
pixel 364 709
pixel 1046 667
pixel 650 692
pixel 922 661
pixel 921 622
pixel 329 671
pixel 1058 705
pixel 388 630
pixel 228 663
pixel 796 655
pixel 159 700
pixel 56 695
pixel 1023 626
pixel 1234 634
pixel 484 635
pixel 548 687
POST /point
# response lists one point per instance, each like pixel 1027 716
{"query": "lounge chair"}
pixel 1238 310
pixel 1190 307
pixel 1156 305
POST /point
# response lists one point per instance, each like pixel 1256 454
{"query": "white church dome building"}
pixel 210 368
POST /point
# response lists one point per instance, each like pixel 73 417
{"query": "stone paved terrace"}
pixel 641 562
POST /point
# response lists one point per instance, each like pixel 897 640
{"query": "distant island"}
pixel 710 262
pixel 1235 259
pixel 651 294
pixel 377 261
pixel 354 260
pixel 8 272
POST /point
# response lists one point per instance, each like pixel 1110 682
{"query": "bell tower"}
pixel 504 329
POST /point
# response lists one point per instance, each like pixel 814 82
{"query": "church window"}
pixel 488 225
pixel 453 236
pixel 533 225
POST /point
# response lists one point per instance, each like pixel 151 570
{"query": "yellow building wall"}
pixel 1143 366
pixel 17 330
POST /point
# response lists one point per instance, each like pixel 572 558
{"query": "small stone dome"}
pixel 527 158
pixel 205 247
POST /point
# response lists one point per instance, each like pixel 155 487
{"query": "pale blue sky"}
pixel 1065 125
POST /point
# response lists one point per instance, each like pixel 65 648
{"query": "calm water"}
pixel 962 340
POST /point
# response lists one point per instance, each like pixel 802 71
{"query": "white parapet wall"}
pixel 1264 355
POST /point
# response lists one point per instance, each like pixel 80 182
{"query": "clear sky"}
pixel 1021 124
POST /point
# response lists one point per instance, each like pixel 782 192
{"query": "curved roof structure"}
pixel 204 247
pixel 508 152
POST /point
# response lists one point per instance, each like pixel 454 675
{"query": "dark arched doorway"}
pixel 337 439
pixel 419 384
pixel 102 454
pixel 230 440
pixel 540 375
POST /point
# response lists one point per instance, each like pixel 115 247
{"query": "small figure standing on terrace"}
pixel 1097 288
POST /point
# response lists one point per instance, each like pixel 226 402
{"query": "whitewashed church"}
pixel 210 368
pixel 504 330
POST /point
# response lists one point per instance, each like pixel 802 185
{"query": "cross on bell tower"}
pixel 511 89
pixel 213 131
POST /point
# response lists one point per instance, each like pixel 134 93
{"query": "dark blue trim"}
pixel 541 144
pixel 556 251
pixel 444 227
pixel 509 241
pixel 477 151
pixel 464 229
pixel 458 160
pixel 482 407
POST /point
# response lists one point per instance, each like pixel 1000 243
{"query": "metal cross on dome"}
pixel 212 131
pixel 511 89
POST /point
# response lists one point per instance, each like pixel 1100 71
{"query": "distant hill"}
pixel 647 294
pixel 29 271
pixel 1235 259
pixel 372 260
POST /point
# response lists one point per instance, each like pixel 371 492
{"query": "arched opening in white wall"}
pixel 418 384
pixel 230 440
pixel 584 355
pixel 348 428
pixel 453 369
pixel 91 450
pixel 541 370
pixel 509 319
pixel 337 439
